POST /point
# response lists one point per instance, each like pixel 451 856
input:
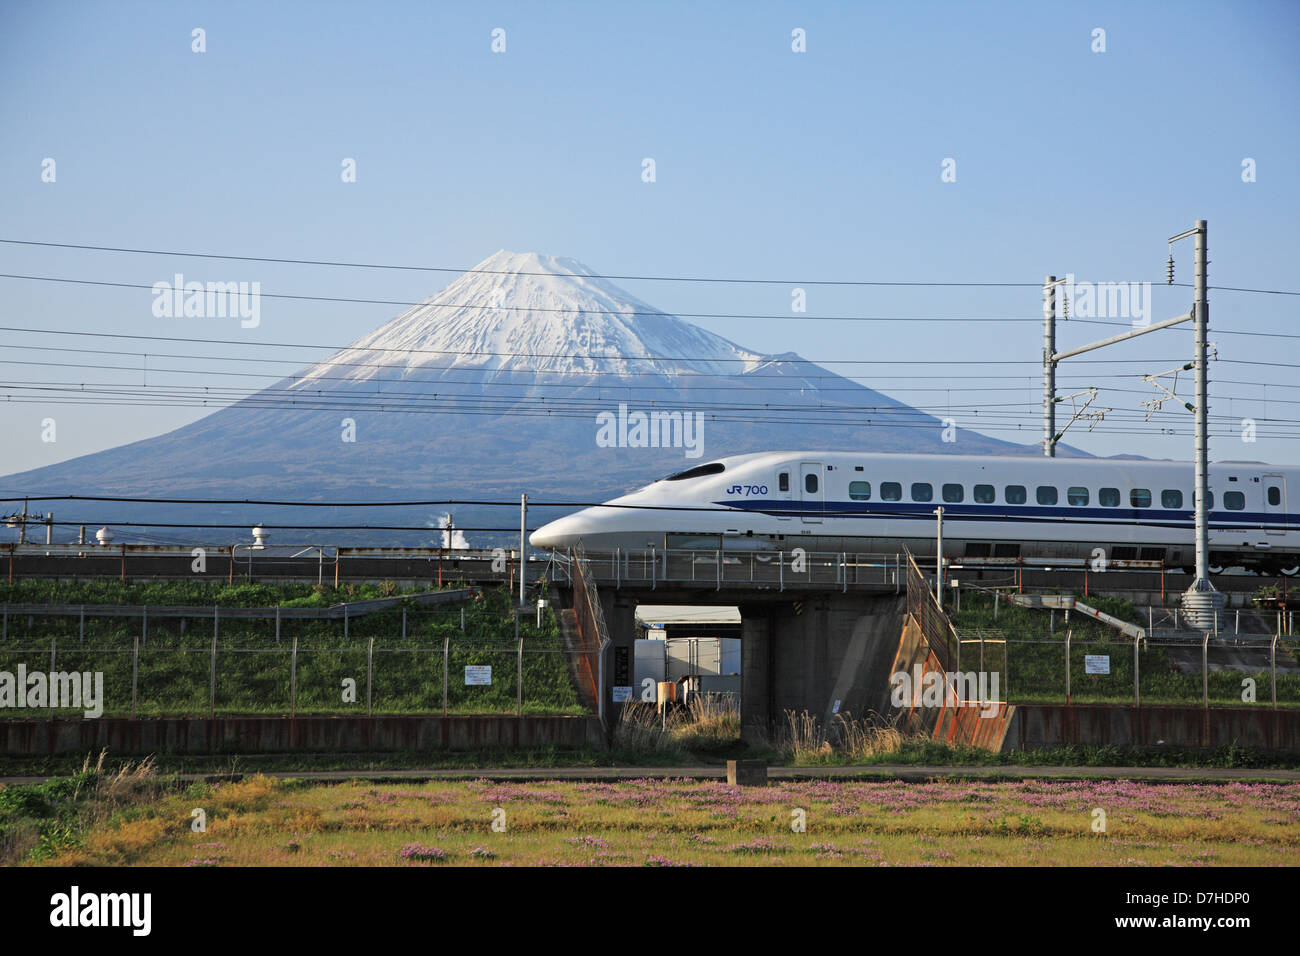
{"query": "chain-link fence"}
pixel 120 661
pixel 1046 655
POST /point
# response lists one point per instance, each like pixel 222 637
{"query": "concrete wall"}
pixel 1048 725
pixel 254 735
pixel 807 653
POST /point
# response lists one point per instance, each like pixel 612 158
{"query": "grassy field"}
pixel 132 819
pixel 1033 659
pixel 254 670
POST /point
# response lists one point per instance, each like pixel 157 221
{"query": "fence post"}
pixel 135 673
pixel 654 570
pixel 345 622
pixel 53 641
pixel 403 623
pixel 83 624
pixel 462 620
pixel 144 616
pixel 370 676
pixel 1272 666
pixel 293 679
pixel 446 655
pixel 1068 634
pixel 519 672
pixel 599 682
pixel 212 679
pixel 718 556
pixel 212 689
pixel 780 558
pixel 1205 670
pixel 1137 700
pixel 277 623
pixel 996 596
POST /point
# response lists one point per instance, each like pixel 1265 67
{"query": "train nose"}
pixel 557 535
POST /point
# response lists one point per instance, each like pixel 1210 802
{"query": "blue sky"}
pixel 769 164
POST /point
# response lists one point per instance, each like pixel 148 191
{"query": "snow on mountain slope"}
pixel 537 313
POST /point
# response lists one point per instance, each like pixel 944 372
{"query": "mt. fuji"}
pixel 492 387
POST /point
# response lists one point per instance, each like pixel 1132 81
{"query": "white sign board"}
pixel 622 694
pixel 1096 663
pixel 477 675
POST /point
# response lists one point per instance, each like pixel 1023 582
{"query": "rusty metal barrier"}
pixel 929 617
pixel 592 632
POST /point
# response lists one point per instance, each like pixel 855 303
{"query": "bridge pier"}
pixel 820 653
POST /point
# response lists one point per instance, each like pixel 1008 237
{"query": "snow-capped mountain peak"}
pixel 536 313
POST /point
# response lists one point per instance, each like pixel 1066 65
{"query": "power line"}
pixel 424 303
pixel 400 401
pixel 584 355
pixel 641 278
pixel 658 313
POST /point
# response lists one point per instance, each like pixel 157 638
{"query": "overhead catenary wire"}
pixel 800 317
pixel 336 263
pixel 598 357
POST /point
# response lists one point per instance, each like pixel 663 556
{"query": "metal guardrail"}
pixel 778 570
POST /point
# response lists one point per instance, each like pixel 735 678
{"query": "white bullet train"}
pixel 1031 507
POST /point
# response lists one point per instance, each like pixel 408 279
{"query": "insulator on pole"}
pixel 1169 270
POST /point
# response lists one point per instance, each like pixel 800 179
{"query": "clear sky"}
pixel 769 163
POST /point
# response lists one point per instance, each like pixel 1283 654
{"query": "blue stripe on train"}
pixel 1069 514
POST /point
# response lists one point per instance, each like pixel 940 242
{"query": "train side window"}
pixel 1108 497
pixel 810 484
pixel 1274 495
pixel 984 494
pixel 1015 494
pixel 891 491
pixel 1171 498
pixel 1046 495
pixel 860 490
pixel 1140 497
pixel 952 494
pixel 1234 500
pixel 783 481
pixel 1077 496
pixel 922 491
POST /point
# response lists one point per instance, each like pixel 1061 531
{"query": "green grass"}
pixel 253 672
pixel 258 821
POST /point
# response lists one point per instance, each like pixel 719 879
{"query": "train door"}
pixel 783 493
pixel 811 492
pixel 1275 502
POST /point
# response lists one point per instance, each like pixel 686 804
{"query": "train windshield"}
pixel 713 468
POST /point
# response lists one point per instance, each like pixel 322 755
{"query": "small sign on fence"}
pixel 478 675
pixel 1096 663
pixel 622 694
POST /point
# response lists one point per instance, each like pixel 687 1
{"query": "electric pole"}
pixel 1049 367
